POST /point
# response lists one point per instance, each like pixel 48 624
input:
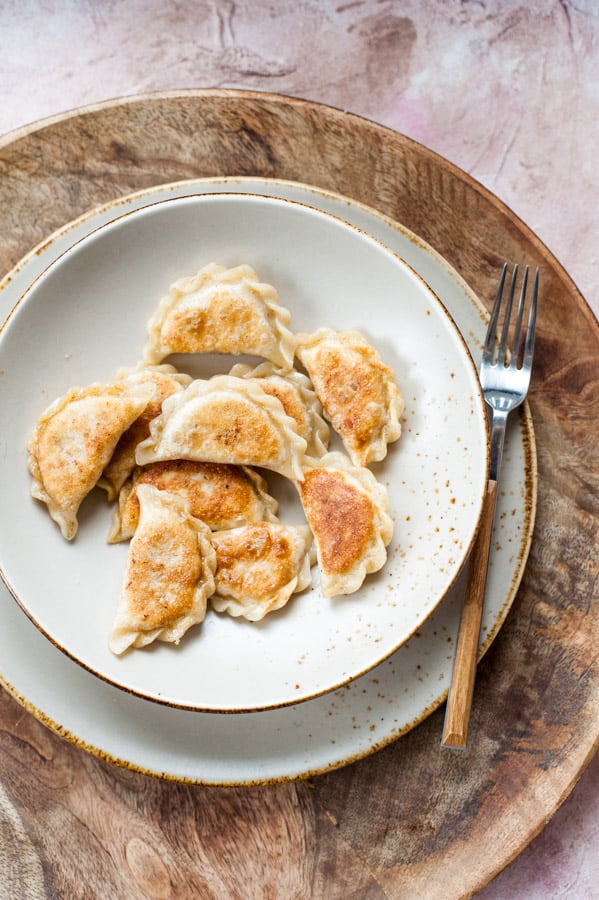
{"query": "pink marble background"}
pixel 508 91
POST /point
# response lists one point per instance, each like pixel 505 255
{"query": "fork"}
pixel 505 379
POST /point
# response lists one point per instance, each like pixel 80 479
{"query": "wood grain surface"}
pixel 413 820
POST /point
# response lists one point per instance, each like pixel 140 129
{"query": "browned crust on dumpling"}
pixel 341 517
pixel 169 575
pixel 357 391
pixel 225 419
pixel 221 310
pixel 158 561
pixel 297 396
pixel 348 512
pixel 259 567
pixel 233 423
pixel 74 440
pixel 188 329
pixel 220 494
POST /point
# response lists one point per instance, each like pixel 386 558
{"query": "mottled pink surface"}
pixel 508 91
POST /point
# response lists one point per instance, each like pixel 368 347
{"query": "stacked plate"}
pixel 322 681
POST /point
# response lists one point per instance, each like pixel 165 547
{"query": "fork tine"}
pixel 490 339
pixel 506 321
pixel 531 328
pixel 518 329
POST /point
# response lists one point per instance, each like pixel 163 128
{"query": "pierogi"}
pixel 226 420
pixel 74 440
pixel 357 390
pixel 259 567
pixel 169 574
pixel 221 310
pixel 348 512
pixel 220 494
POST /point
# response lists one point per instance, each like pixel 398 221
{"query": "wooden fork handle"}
pixel 459 701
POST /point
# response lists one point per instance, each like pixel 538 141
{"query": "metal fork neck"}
pixel 498 426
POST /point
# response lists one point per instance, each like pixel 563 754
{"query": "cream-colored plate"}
pixel 86 315
pixel 321 733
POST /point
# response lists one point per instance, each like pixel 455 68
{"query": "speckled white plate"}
pixel 319 734
pixel 87 315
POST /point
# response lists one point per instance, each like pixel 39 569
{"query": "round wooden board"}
pixel 413 820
